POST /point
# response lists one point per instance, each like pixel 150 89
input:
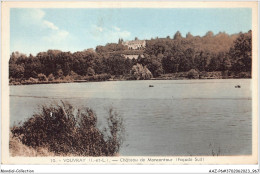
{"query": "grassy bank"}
pixel 106 77
pixel 17 148
pixel 62 79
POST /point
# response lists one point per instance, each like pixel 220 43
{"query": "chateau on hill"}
pixel 135 44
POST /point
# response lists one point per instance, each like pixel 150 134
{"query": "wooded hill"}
pixel 229 54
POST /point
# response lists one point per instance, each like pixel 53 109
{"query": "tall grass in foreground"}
pixel 17 148
pixel 66 131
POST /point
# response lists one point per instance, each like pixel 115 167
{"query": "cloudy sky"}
pixel 36 30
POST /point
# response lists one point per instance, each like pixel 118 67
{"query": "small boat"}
pixel 237 86
pixel 150 85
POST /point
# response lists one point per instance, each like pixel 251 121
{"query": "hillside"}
pixel 229 54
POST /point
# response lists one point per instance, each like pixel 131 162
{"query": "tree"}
pixel 120 41
pixel 202 60
pixel 189 35
pixel 115 65
pixel 156 67
pixel 215 63
pixel 16 71
pixel 60 74
pixel 241 52
pixel 51 77
pixel 138 72
pixel 90 71
pixel 177 35
pixel 42 77
pixel 209 34
pixel 128 65
pixel 226 64
pixel 193 74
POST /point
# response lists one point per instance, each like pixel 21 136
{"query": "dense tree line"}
pixel 209 53
pixel 220 52
pixel 55 64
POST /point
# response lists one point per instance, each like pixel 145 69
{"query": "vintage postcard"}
pixel 129 83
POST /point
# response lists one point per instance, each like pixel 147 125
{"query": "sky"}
pixel 35 30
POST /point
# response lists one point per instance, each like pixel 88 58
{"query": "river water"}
pixel 175 117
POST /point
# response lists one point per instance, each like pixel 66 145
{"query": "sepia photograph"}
pixel 130 83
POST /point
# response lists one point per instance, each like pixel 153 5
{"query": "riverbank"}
pixel 102 77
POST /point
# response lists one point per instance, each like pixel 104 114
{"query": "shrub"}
pixel 42 77
pixel 225 74
pixel 64 130
pixel 203 74
pixel 90 71
pixel 193 74
pixel 74 76
pixel 138 72
pixel 98 77
pixel 32 80
pixel 13 81
pixel 51 77
pixel 16 71
pixel 104 76
pixel 244 75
